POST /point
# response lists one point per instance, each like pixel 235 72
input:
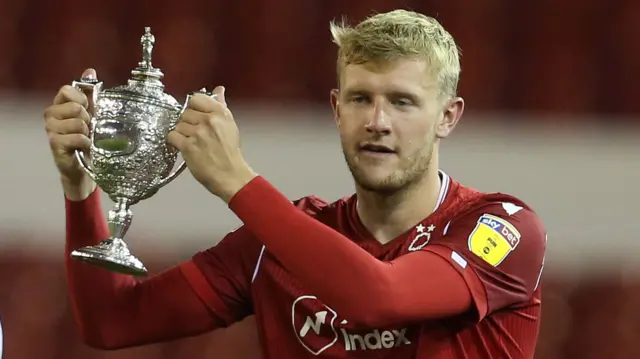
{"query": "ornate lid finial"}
pixel 145 71
pixel 147 41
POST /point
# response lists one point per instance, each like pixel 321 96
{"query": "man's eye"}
pixel 401 102
pixel 359 99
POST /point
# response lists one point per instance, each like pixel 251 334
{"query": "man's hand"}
pixel 209 141
pixel 67 125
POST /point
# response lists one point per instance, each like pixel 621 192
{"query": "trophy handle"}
pixel 163 182
pixel 83 84
pixel 182 165
pixel 87 83
pixel 85 165
pixel 202 91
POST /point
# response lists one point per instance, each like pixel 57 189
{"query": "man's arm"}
pixel 114 311
pixel 417 286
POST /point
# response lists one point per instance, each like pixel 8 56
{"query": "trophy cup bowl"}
pixel 130 159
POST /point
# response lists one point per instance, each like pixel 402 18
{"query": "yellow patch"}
pixel 493 239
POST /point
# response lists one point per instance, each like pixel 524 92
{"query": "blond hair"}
pixel 397 34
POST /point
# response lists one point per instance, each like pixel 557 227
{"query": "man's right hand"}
pixel 67 123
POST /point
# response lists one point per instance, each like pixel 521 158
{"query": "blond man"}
pixel 413 265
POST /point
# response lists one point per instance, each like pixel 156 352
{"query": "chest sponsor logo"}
pixel 318 328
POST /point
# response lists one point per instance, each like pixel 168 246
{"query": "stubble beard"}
pixel 397 181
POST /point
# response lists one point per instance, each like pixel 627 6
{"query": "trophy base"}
pixel 113 255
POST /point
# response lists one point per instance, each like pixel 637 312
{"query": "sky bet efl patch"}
pixel 493 239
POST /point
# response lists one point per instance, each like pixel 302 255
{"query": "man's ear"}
pixel 335 105
pixel 452 113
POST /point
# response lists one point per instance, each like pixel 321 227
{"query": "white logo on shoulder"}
pixel 510 208
pixel 422 238
pixel 317 332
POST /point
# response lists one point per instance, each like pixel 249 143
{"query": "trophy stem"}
pixel 119 219
pixel 113 253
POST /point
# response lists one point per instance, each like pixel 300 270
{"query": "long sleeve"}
pixel 345 276
pixel 114 310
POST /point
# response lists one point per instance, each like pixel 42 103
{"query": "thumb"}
pixel 89 73
pixel 219 92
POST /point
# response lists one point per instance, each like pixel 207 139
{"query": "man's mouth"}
pixel 376 149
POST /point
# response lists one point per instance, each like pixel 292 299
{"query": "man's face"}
pixel 390 117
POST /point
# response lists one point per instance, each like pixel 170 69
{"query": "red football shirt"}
pixel 494 241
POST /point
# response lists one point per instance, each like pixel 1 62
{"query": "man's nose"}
pixel 379 122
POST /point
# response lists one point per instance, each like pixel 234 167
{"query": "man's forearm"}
pixel 344 275
pixel 78 191
pixel 113 310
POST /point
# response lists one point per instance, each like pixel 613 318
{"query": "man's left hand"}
pixel 208 139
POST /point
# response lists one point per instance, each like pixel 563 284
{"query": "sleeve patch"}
pixel 456 257
pixel 493 239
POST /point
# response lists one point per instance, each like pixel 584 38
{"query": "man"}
pixel 413 265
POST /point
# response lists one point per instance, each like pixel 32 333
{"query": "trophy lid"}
pixel 145 73
pixel 145 83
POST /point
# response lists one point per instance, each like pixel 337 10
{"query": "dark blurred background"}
pixel 551 99
pixel 545 56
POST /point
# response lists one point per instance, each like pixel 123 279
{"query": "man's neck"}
pixel 388 216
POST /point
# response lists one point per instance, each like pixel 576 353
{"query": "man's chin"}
pixel 374 178
pixel 378 184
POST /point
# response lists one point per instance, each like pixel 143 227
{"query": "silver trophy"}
pixel 130 158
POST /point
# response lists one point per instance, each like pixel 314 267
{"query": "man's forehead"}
pixel 402 73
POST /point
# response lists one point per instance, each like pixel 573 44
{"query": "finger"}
pixel 68 93
pixel 90 74
pixel 193 117
pixel 203 103
pixel 177 140
pixel 68 143
pixel 67 110
pixel 186 129
pixel 68 126
pixel 220 97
